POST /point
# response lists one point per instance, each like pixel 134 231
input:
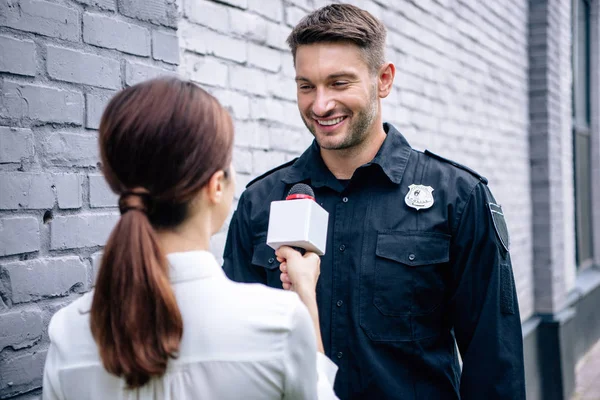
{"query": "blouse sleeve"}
pixel 308 373
pixel 51 384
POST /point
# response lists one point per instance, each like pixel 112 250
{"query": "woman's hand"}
pixel 298 273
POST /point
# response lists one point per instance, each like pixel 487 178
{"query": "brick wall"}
pixel 59 64
pixel 460 89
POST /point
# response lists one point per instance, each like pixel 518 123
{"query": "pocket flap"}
pixel 414 248
pixel 264 256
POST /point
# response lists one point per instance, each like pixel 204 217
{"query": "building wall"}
pixel 59 63
pixel 461 90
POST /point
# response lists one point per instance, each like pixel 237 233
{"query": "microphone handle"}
pixel 300 249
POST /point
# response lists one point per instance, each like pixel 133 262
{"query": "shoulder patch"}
pixel 457 165
pixel 258 178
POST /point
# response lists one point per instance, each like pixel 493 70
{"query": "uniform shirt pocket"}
pixel 409 272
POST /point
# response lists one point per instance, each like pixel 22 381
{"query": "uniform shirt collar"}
pixel 192 265
pixel 391 158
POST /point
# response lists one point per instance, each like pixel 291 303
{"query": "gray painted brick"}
pixel 26 190
pixel 46 277
pixel 96 260
pixel 19 235
pixel 95 105
pixel 82 230
pixel 101 194
pixel 205 70
pixel 102 4
pixel 249 80
pixel 157 11
pixel 136 72
pixel 109 32
pixel 69 190
pixel 16 144
pixel 17 56
pixel 165 46
pixel 43 17
pixel 40 103
pixel 70 149
pixel 209 14
pixel 264 57
pixel 79 67
pixel 237 3
pixel 22 373
pixel 20 328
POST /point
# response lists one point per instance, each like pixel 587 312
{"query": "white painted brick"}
pixel 22 373
pixel 236 3
pixel 217 245
pixel 249 80
pixel 42 17
pixel 26 190
pixel 96 261
pixel 264 57
pixel 263 161
pixel 241 181
pixel 81 230
pixel 17 56
pixel 102 4
pixel 19 100
pixel 156 11
pixel 101 194
pixel 69 190
pixel 267 109
pixel 104 31
pixel 251 135
pixel 273 11
pixel 293 15
pixel 137 72
pixel 205 70
pixel 277 36
pixel 248 26
pixel 242 160
pixel 95 103
pixel 46 277
pixel 289 140
pixel 79 67
pixel 282 87
pixel 20 328
pixel 225 47
pixel 16 144
pixel 237 103
pixel 208 13
pixel 71 149
pixel 165 46
pixel 287 63
pixel 192 37
pixel 19 235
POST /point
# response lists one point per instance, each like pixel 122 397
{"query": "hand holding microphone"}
pixel 299 273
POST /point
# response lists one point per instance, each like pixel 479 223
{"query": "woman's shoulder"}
pixel 70 319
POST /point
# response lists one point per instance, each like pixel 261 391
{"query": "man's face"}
pixel 337 95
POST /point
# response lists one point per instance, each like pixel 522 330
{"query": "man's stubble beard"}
pixel 357 132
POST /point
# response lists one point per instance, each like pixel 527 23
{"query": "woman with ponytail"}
pixel 163 320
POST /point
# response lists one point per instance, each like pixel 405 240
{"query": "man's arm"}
pixel 237 257
pixel 484 307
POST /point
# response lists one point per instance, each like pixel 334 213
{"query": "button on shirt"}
pixel 411 281
pixel 239 342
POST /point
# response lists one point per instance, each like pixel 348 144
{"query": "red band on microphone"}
pixel 299 196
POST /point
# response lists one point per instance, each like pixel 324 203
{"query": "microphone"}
pixel 298 221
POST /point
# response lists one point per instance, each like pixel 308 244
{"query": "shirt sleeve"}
pixel 484 307
pixel 237 256
pixel 51 383
pixel 308 373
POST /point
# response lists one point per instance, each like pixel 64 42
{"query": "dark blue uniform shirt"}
pixel 400 288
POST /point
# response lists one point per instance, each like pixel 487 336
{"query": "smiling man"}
pixel 417 260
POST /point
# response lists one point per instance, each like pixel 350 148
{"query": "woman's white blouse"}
pixel 240 341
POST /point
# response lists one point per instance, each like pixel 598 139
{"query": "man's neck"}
pixel 343 163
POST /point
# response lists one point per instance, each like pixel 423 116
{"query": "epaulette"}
pixel 258 178
pixel 457 165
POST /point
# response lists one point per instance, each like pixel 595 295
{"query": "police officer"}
pixel 417 260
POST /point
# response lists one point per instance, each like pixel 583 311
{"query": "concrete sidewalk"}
pixel 587 379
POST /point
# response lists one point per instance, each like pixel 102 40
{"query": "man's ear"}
pixel 215 187
pixel 385 79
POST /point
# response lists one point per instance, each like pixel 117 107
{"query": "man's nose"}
pixel 323 104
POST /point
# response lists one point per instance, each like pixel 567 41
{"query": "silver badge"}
pixel 419 197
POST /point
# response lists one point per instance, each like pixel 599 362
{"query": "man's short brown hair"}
pixel 342 23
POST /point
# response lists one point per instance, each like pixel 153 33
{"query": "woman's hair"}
pixel 160 142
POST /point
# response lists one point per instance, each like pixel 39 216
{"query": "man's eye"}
pixel 340 83
pixel 305 87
